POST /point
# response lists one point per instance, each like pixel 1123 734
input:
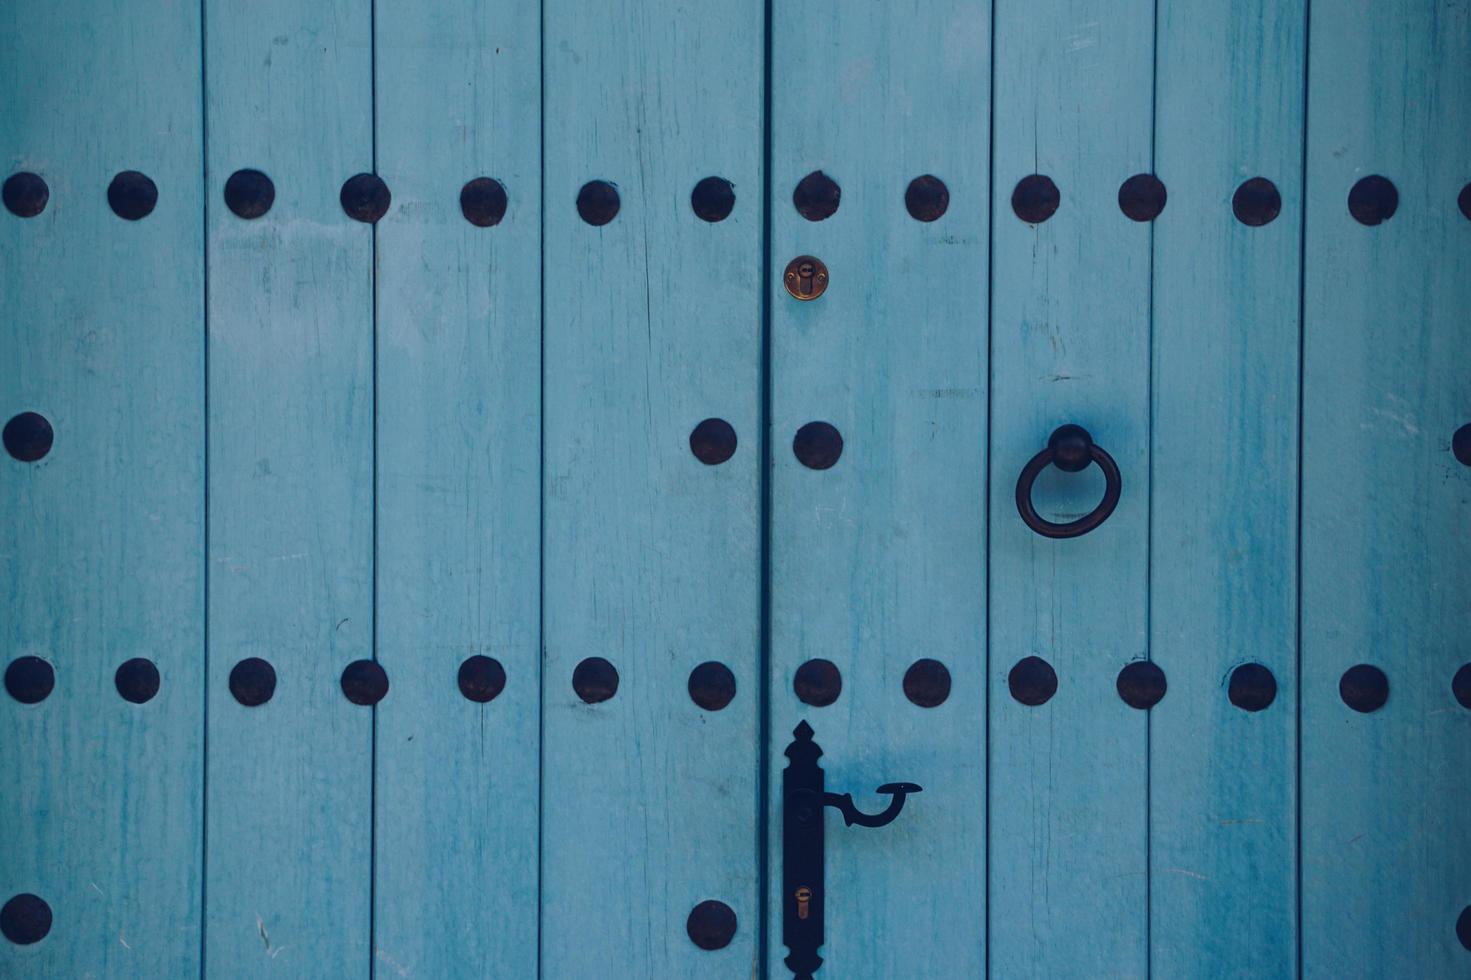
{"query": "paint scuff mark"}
pixel 397 967
pixel 260 925
pixel 1187 873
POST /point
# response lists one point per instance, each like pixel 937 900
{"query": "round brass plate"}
pixel 806 277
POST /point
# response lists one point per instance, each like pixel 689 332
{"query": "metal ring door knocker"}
pixel 1070 448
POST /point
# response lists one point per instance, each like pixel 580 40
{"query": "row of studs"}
pixel 365 197
pixel 29 436
pixel 1032 681
pixel 27 919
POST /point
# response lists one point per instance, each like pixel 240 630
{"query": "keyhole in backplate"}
pixel 806 277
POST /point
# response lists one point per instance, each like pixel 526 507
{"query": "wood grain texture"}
pixel 651 558
pixel 458 499
pixel 100 547
pixel 289 812
pixel 1386 846
pixel 1223 558
pixel 879 561
pixel 1069 344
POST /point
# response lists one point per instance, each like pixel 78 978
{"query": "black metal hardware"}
pixel 803 891
pixel 1070 448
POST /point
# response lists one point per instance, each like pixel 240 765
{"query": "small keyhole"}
pixel 806 273
pixel 805 277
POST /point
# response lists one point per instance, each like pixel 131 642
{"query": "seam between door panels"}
pixel 541 481
pixel 373 572
pixel 1302 263
pixel 990 388
pixel 1149 528
pixel 763 784
pixel 204 557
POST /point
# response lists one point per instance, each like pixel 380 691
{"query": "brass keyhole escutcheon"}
pixel 804 902
pixel 806 277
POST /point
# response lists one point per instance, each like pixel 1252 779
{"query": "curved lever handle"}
pixel 1070 448
pixel 843 802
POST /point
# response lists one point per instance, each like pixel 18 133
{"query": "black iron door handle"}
pixel 843 803
pixel 1070 448
pixel 804 894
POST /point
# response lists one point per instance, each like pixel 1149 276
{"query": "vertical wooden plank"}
pixel 101 333
pixel 288 862
pixel 879 561
pixel 1386 846
pixel 1069 344
pixel 1223 558
pixel 651 557
pixel 459 355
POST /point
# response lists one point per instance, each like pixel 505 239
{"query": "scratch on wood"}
pixel 397 967
pixel 1187 873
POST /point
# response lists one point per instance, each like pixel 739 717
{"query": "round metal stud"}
pixel 1252 687
pixel 818 683
pixel 1256 202
pixel 1142 197
pixel 711 925
pixel 597 202
pixel 713 199
pixel 364 682
pixel 1364 688
pixel 25 194
pixel 365 198
pixel 1461 445
pixel 1032 681
pixel 926 198
pixel 132 195
pixel 1141 684
pixel 30 680
pixel 483 202
pixel 713 441
pixel 712 686
pixel 136 680
pixel 249 194
pixel 927 683
pixel 1461 686
pixel 818 445
pixel 1373 200
pixel 481 678
pixel 595 680
pixel 253 682
pixel 25 919
pixel 817 196
pixel 28 437
pixel 1035 199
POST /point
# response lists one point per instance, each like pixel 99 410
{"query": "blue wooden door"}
pixel 472 469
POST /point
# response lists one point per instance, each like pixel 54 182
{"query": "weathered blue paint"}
pixel 1069 343
pixel 310 440
pixel 652 558
pixel 879 561
pixel 288 88
pixel 458 490
pixel 1223 555
pixel 101 540
pixel 1386 573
